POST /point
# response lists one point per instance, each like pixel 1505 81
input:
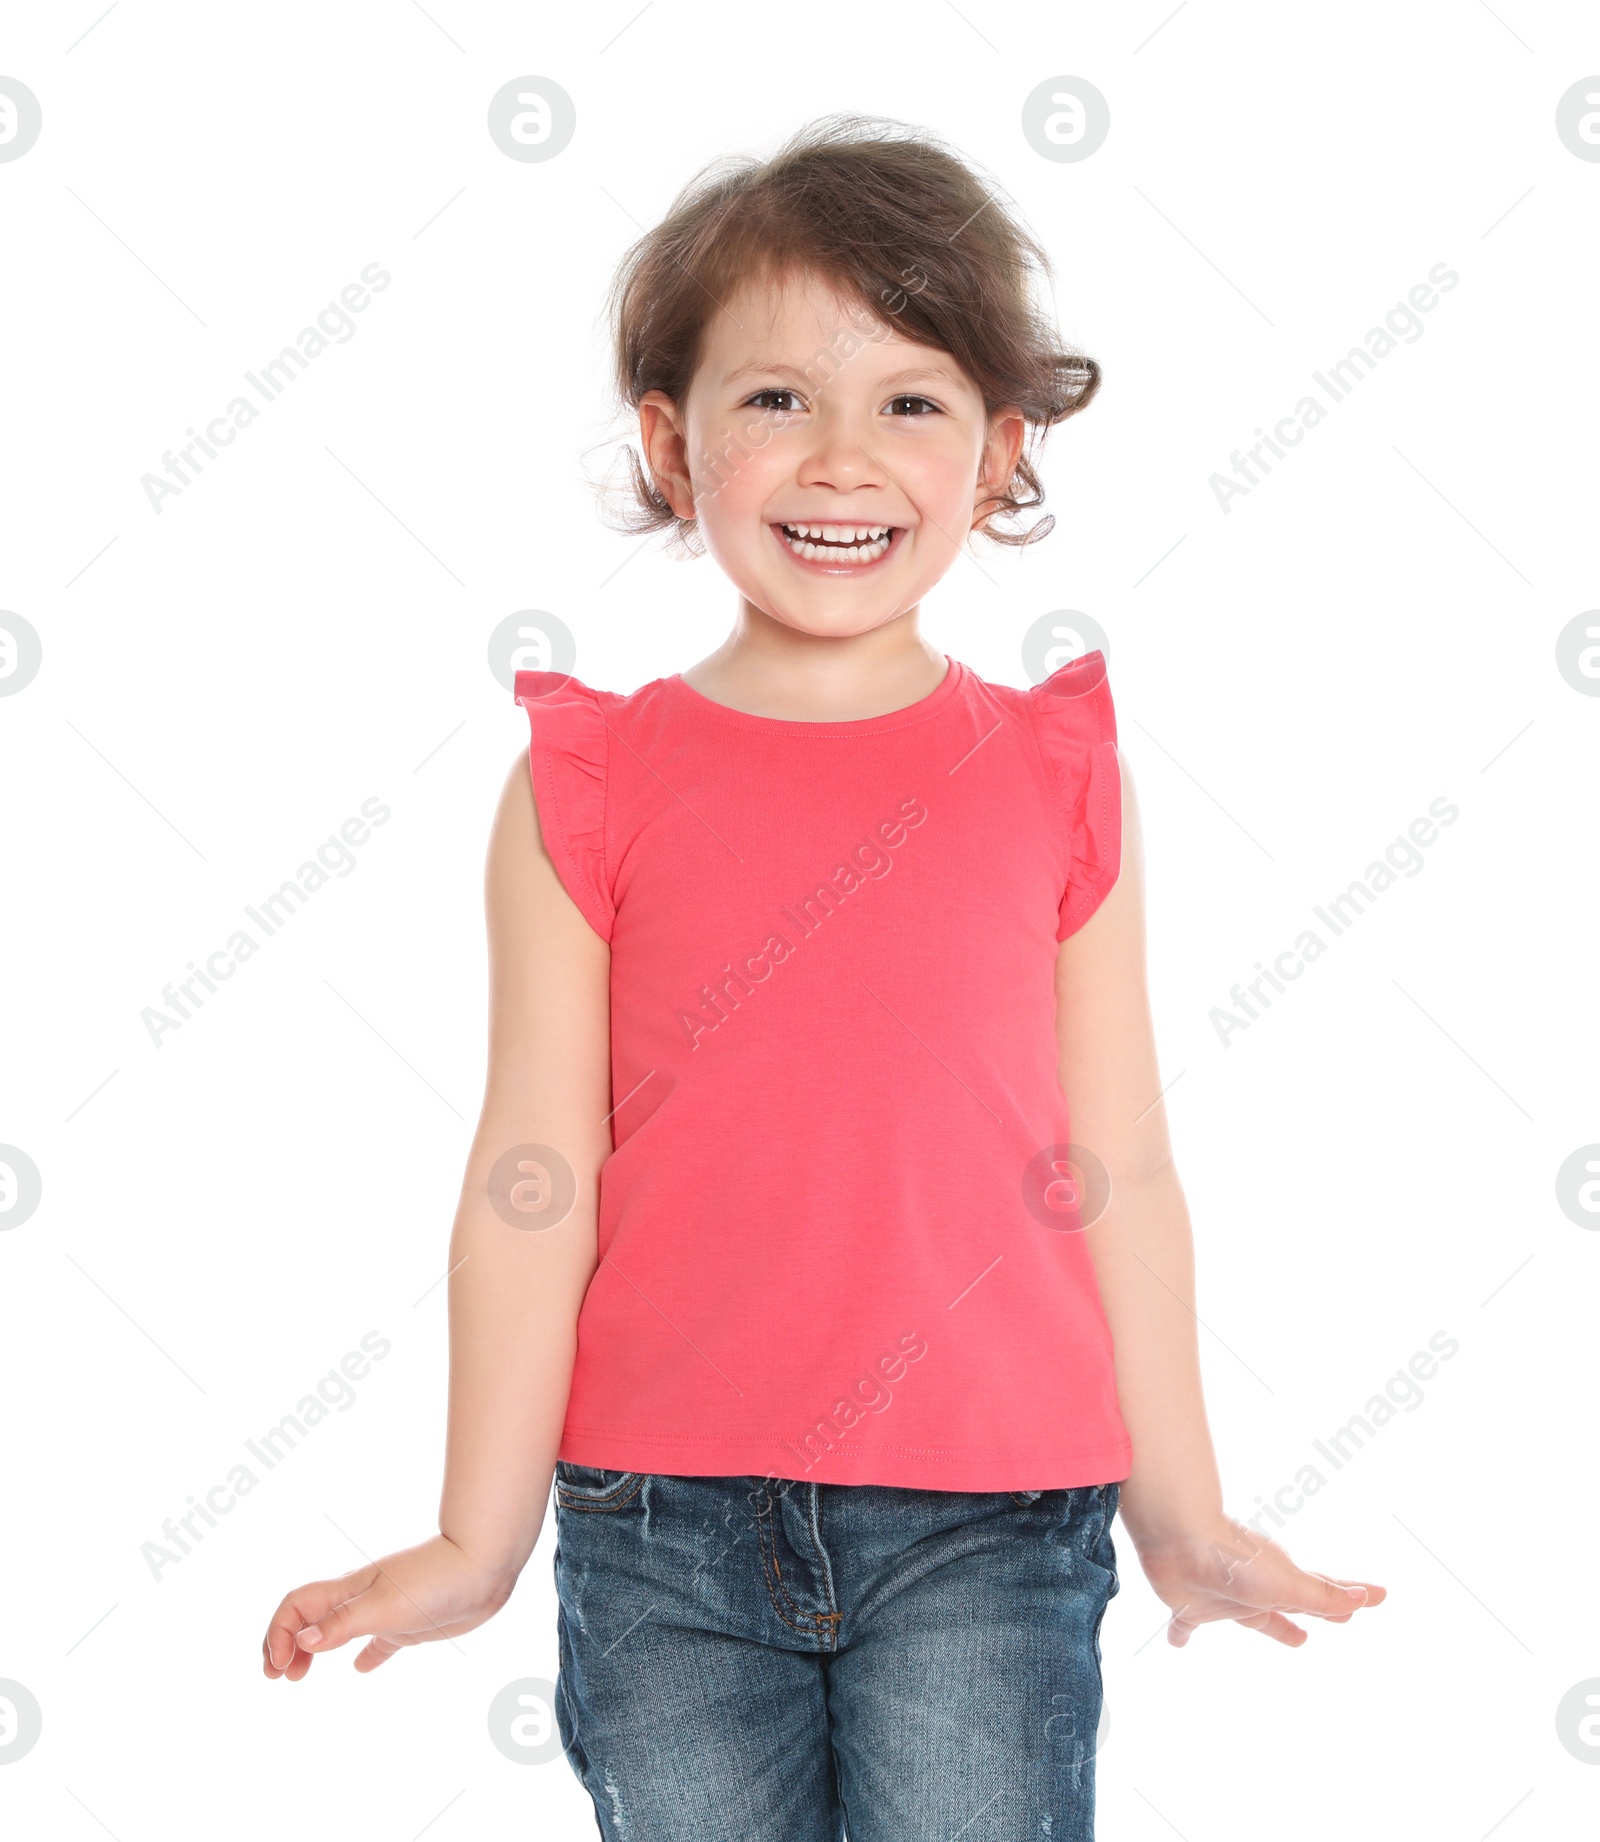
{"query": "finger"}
pixel 388 1615
pixel 293 1670
pixel 1335 1618
pixel 1270 1623
pixel 361 1615
pixel 1323 1597
pixel 1376 1594
pixel 1187 1618
pixel 305 1606
pixel 1275 1625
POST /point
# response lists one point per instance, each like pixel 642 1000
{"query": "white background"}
pixel 1373 627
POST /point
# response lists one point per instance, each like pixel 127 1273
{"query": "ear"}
pixel 1002 448
pixel 663 437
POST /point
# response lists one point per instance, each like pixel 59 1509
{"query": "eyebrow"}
pixel 762 368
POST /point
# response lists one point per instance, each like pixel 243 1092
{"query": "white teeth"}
pixel 841 533
pixel 850 550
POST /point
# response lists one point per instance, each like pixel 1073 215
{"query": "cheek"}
pixel 940 474
pixel 733 475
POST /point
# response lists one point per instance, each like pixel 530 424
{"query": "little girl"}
pixel 821 1237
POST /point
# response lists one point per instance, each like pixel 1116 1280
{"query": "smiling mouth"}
pixel 839 544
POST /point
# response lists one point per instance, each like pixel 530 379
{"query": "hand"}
pixel 415 1596
pixel 1229 1571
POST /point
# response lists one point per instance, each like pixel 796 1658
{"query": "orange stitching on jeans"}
pixel 775 1572
pixel 830 1618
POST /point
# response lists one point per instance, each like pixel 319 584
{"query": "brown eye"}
pixel 756 402
pixel 926 402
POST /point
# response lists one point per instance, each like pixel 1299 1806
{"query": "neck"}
pixel 765 668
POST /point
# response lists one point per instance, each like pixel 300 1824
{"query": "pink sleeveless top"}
pixel 839 1234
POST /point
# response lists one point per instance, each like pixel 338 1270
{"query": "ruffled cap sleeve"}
pixel 567 757
pixel 1077 728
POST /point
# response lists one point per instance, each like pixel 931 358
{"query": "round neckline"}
pixel 851 725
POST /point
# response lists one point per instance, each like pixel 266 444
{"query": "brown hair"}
pixel 894 219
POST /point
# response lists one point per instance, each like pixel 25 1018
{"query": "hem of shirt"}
pixel 910 1467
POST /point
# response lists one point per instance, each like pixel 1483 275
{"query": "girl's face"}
pixel 835 468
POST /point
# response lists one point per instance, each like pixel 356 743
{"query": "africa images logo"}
pixel 868 860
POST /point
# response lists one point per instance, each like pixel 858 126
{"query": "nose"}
pixel 839 450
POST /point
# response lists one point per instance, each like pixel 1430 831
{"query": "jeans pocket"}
pixel 594 1489
pixel 1104 1551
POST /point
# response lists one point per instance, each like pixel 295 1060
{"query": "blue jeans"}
pixel 758 1660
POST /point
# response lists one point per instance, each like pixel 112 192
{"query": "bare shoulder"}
pixel 518 863
pixel 522 888
pixel 549 972
pixel 1108 1061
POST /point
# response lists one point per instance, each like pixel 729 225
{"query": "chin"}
pixel 833 623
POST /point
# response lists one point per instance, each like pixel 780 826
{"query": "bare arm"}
pixel 1142 1248
pixel 515 1293
pixel 1202 1563
pixel 515 1290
